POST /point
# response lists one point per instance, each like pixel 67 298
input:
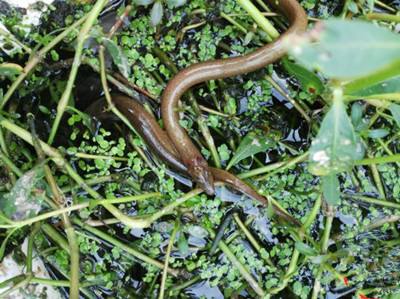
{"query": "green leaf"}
pixel 10 69
pixel 377 133
pixel 336 146
pixel 24 200
pixel 305 249
pixel 118 57
pixel 156 13
pixel 250 145
pixel 348 49
pixel 331 189
pixel 308 80
pixel 356 114
pixel 183 244
pixel 388 89
pixel 143 2
pixel 395 110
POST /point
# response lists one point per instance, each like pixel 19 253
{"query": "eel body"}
pixel 159 142
pixel 196 165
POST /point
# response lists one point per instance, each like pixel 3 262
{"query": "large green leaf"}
pixel 348 49
pixel 388 89
pixel 250 145
pixel 336 146
pixel 118 57
pixel 308 80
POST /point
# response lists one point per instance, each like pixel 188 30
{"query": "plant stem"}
pixel 251 238
pixel 292 101
pixel 374 201
pixel 383 17
pixel 10 164
pixel 54 235
pixel 259 18
pixel 124 247
pixel 166 262
pixel 379 160
pixel 287 165
pixel 292 268
pixel 29 250
pixel 324 250
pixel 169 208
pixel 243 271
pixel 36 59
pixel 83 34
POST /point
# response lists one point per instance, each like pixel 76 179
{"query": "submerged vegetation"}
pixel 316 132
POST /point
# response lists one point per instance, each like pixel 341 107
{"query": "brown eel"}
pixel 159 142
pixel 196 165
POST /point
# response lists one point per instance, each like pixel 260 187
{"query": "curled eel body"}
pixel 159 142
pixel 217 69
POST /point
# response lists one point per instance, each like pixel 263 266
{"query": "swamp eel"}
pixel 191 157
pixel 160 143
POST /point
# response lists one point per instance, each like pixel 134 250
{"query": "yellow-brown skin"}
pixel 159 142
pixel 217 69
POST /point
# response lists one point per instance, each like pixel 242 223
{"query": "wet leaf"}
pixel 305 249
pixel 197 231
pixel 118 57
pixel 250 145
pixel 183 244
pixel 143 2
pixel 24 199
pixel 378 133
pixel 336 146
pixel 331 189
pixel 389 89
pixel 348 49
pixel 156 13
pixel 176 3
pixel 308 80
pixel 395 110
pixel 356 114
pixel 10 69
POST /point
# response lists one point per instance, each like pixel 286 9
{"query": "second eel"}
pixel 159 142
pixel 191 157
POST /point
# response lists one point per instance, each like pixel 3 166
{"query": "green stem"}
pixel 10 164
pixel 383 17
pixel 17 286
pixel 233 22
pixel 169 208
pixel 292 268
pixel 242 269
pixel 379 160
pixel 278 166
pixel 251 238
pixel 29 250
pixel 380 202
pixel 287 165
pixel 259 18
pixel 297 106
pixel 36 59
pixel 54 235
pixel 124 247
pixel 83 34
pixel 324 250
pixel 166 262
